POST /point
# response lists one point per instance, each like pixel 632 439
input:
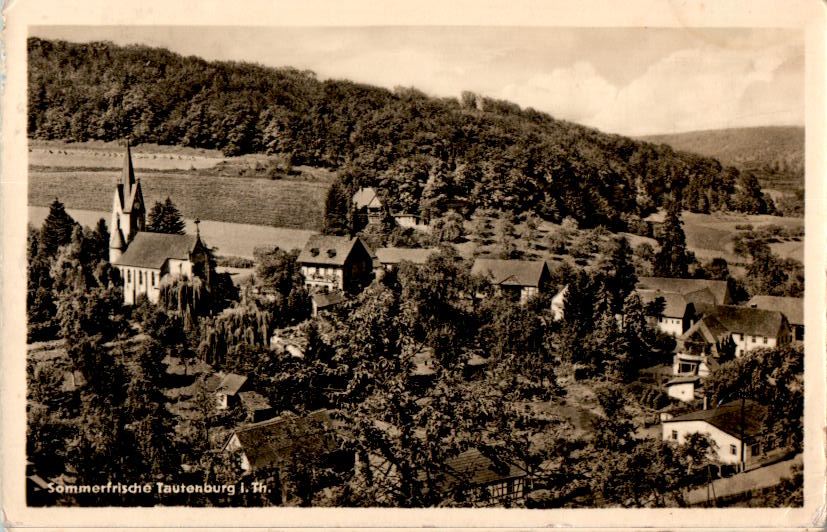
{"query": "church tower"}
pixel 128 210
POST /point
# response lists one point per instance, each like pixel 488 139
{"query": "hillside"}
pixel 773 152
pixel 420 150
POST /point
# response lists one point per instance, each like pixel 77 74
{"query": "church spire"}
pixel 128 175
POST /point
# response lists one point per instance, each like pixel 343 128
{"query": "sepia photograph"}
pixel 416 266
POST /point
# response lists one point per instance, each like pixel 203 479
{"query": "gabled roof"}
pixel 750 321
pixel 329 250
pixel 151 250
pixel 397 255
pixel 254 401
pixel 727 418
pixel 366 198
pixel 324 301
pixel 473 468
pixel 703 300
pixel 684 286
pixel 231 383
pixel 791 307
pixel 674 305
pixel 275 441
pixel 511 272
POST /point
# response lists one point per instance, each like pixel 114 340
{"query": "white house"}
pixel 724 426
pixel 677 313
pixel 683 388
pixel 558 303
pixel 335 262
pixel 520 279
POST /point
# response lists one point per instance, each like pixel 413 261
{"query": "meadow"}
pixel 254 201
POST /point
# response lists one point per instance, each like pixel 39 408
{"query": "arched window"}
pixel 128 276
pixel 153 278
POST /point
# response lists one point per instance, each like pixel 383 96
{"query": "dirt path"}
pixel 756 479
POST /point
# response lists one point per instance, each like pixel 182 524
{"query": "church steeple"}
pixel 128 210
pixel 128 174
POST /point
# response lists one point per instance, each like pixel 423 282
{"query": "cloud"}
pixel 576 93
pixel 700 88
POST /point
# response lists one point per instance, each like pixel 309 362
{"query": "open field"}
pixel 230 239
pixel 275 203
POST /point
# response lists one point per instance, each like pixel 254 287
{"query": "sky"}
pixel 631 81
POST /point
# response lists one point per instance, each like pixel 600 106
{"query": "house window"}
pixel 765 339
pixel 755 450
pixel 674 434
pixel 733 450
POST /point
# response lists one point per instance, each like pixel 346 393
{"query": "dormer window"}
pixel 314 251
pixel 331 253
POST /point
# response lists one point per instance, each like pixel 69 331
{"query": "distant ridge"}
pixel 772 152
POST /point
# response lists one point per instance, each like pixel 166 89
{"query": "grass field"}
pixel 275 203
pixel 230 239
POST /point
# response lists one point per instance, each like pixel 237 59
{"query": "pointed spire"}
pixel 197 228
pixel 128 175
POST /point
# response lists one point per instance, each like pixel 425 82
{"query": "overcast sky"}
pixel 633 81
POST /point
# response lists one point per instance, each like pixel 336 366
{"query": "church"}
pixel 146 259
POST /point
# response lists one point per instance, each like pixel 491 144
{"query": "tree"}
pixel 448 228
pixel 620 276
pixel 673 258
pixel 165 218
pixel 506 242
pixel 56 231
pixel 337 208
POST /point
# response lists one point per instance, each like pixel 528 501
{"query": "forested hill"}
pixel 770 152
pixel 422 151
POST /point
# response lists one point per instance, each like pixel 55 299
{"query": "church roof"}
pixel 128 173
pixel 116 240
pixel 151 250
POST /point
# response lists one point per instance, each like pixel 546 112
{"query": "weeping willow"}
pixel 233 327
pixel 189 297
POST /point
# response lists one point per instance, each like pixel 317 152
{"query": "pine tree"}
pixel 673 258
pixel 621 279
pixel 57 229
pixel 165 218
pixel 336 210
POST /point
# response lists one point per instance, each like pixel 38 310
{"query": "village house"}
pixel 413 221
pixel 791 307
pixel 324 302
pixel 256 406
pixel 389 258
pixel 724 426
pixel 335 263
pixel 749 328
pixel 368 206
pixel 145 260
pixel 558 303
pixel 704 294
pixel 226 389
pixel 683 388
pixel 676 315
pixel 476 479
pixel 519 279
pixel 279 442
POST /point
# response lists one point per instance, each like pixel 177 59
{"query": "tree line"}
pixel 422 151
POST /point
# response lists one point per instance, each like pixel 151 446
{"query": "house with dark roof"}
pixel 473 478
pixel 390 258
pixel 335 263
pixel 273 443
pixel 227 389
pixel 791 307
pixel 321 301
pixel 256 406
pixel 519 279
pixel 145 260
pixel 674 313
pixel 752 328
pixel 724 426
pixel 704 294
